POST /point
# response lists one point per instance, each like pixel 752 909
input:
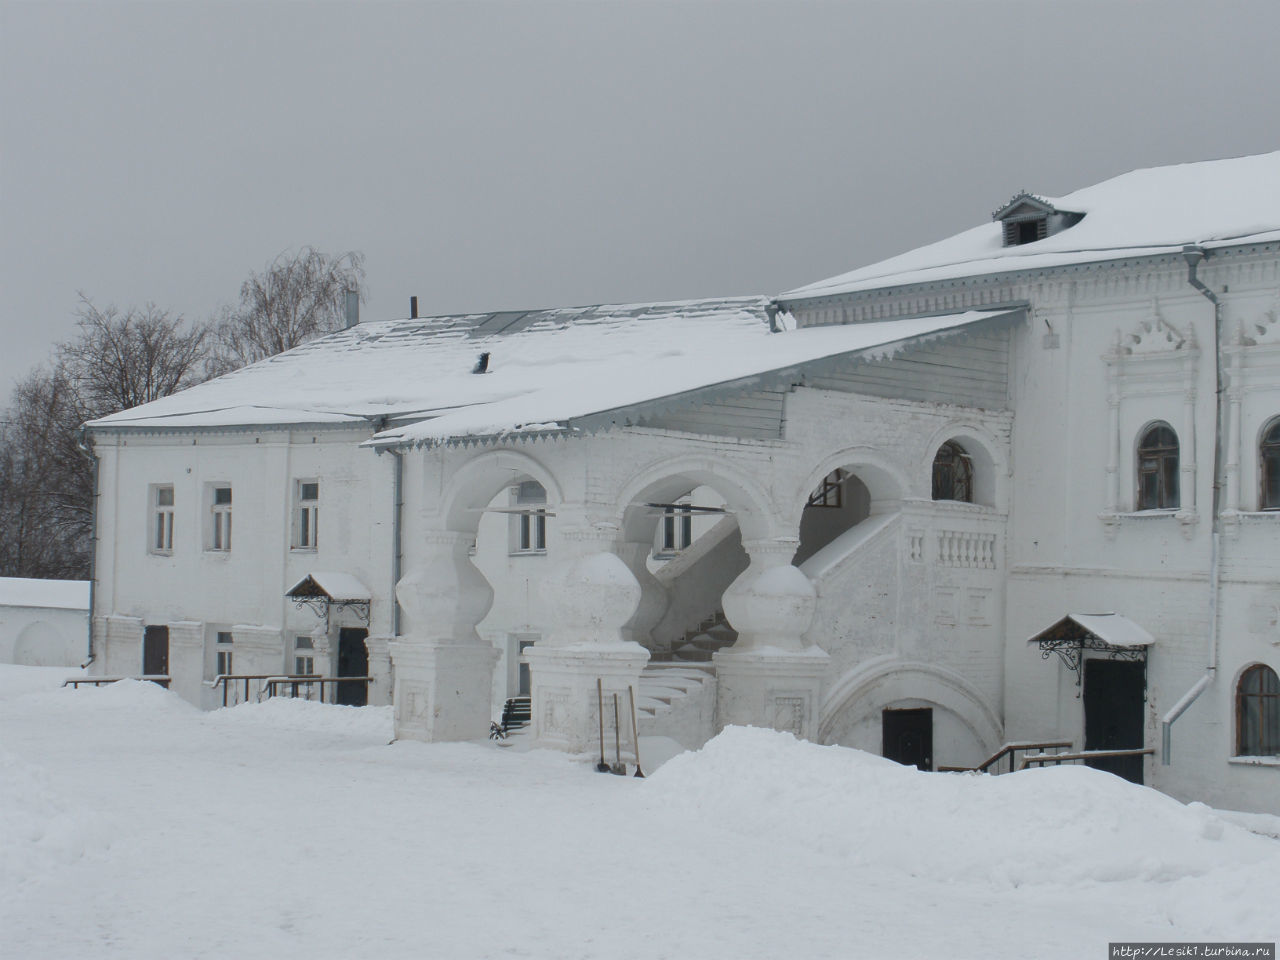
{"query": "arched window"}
pixel 952 473
pixel 1258 713
pixel 1158 468
pixel 1269 458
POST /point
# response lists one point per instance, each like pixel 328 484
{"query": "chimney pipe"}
pixel 413 308
pixel 353 308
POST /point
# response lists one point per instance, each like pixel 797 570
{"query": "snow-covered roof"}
pixel 546 367
pixel 1144 212
pixel 1111 628
pixel 56 594
pixel 335 586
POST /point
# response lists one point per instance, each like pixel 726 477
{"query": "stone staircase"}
pixel 677 700
pixel 699 644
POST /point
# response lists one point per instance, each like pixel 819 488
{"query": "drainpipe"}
pixel 397 551
pixel 86 447
pixel 1194 255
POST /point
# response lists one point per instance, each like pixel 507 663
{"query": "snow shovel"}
pixel 618 767
pixel 601 767
pixel 635 730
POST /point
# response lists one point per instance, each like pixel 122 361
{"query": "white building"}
pixel 958 499
pixel 44 623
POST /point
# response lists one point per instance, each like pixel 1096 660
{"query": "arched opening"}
pixel 840 495
pixel 1269 467
pixel 914 713
pixel 838 503
pixel 1258 712
pixel 1158 468
pixel 683 539
pixel 953 473
pixel 507 500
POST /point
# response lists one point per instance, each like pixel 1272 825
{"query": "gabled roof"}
pixel 325 585
pixel 548 369
pixel 1024 205
pixel 1106 629
pixel 1145 212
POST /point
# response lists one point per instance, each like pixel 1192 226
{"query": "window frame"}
pixel 528 529
pixel 1255 742
pixel 223 650
pixel 829 494
pixel 959 461
pixel 677 528
pixel 1166 462
pixel 1269 446
pixel 306 515
pixel 161 520
pixel 219 536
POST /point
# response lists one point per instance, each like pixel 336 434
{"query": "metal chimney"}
pixel 413 308
pixel 353 308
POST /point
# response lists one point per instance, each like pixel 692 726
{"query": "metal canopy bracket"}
pixel 1071 651
pixel 310 594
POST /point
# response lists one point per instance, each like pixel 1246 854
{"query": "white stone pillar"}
pixel 123 654
pixel 443 669
pixel 379 669
pixel 593 596
pixel 770 677
pixel 186 660
pixel 1235 395
pixel 1189 454
pixel 653 595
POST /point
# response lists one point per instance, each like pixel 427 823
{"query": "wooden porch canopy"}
pixel 1115 636
pixel 321 591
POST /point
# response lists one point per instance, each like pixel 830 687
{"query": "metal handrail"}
pixel 74 682
pixel 1008 750
pixel 224 680
pixel 272 682
pixel 1040 759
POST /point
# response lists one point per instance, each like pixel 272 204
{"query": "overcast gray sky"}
pixel 489 155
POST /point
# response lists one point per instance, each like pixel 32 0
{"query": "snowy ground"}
pixel 132 825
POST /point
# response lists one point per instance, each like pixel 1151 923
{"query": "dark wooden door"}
pixel 353 661
pixel 155 651
pixel 1114 694
pixel 908 737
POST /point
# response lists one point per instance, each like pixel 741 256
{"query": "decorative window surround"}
pixel 1155 359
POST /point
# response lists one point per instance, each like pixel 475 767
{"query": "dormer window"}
pixel 1028 218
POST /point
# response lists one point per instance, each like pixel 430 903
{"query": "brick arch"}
pixel 483 477
pixel 665 479
pixel 872 686
pixel 990 465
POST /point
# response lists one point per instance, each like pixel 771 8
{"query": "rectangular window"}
pixel 162 519
pixel 304 666
pixel 830 493
pixel 303 643
pixel 677 529
pixel 533 532
pixel 220 528
pixel 529 520
pixel 307 520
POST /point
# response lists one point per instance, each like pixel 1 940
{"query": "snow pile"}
pixel 132 825
pixel 322 721
pixel 39 828
pixel 1058 825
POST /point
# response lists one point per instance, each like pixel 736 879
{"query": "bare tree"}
pixel 125 359
pixel 296 298
pixel 118 360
